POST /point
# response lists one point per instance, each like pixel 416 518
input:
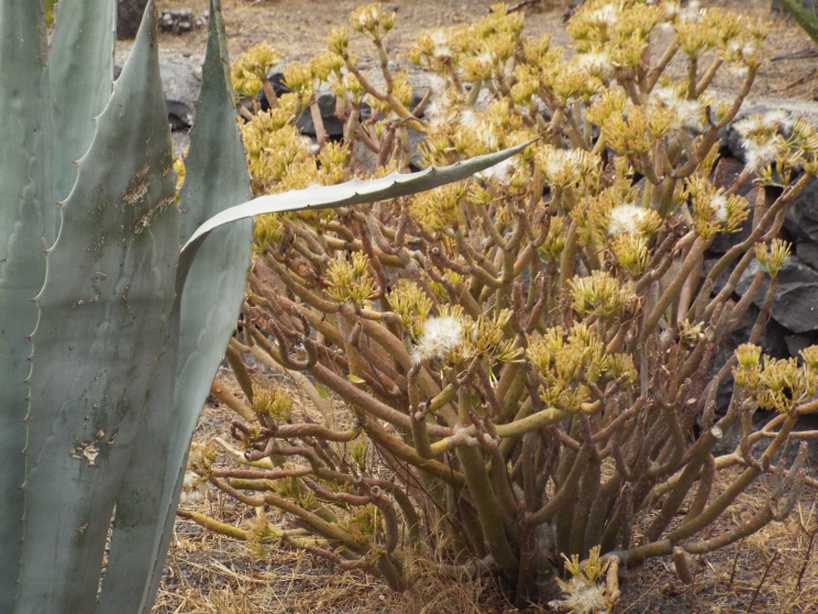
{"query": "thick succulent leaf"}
pixel 344 194
pixel 81 69
pixel 104 346
pixel 28 214
pixel 216 178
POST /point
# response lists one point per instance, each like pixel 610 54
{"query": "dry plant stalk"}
pixel 530 359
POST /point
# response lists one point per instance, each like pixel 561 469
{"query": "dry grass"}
pixel 207 573
pixel 298 29
pixel 773 571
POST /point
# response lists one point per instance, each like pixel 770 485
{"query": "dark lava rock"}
pixel 332 124
pixel 807 253
pixel 128 17
pixel 180 116
pixel 795 305
pixel 802 215
pixel 796 343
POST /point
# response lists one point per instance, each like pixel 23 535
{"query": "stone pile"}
pixel 180 21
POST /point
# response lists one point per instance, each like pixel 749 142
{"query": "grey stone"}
pixel 181 83
pixel 178 21
pixel 181 79
pixel 795 304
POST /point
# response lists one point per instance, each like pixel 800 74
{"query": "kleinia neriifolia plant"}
pixel 518 375
pixel 118 296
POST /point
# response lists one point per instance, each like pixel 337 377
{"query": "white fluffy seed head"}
pixel 688 112
pixel 469 119
pixel 440 336
pixel 758 155
pixel 596 63
pixel 777 120
pixel 607 14
pixel 626 219
pixel 719 206
pixel 501 172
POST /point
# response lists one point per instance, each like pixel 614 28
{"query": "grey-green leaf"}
pixel 104 346
pixel 81 70
pixel 344 194
pixel 216 178
pixel 27 218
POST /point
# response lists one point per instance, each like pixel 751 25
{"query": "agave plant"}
pixel 105 362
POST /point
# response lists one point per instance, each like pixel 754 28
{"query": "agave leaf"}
pixel 81 69
pixel 97 380
pixel 344 194
pixel 806 19
pixel 216 178
pixel 27 216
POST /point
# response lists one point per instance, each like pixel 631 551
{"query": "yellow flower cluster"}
pixel 250 69
pixel 569 362
pixel 777 384
pixel 439 209
pixel 408 300
pixel 272 402
pixel 601 295
pixel 349 279
pixel 713 210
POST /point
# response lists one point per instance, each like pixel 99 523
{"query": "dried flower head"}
pixel 440 336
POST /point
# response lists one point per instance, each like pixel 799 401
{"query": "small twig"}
pixel 763 580
pixel 807 559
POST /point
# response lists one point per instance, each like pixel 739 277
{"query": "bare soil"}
pixel 297 29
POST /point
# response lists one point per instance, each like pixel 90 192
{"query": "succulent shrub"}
pixel 499 374
pixel 116 310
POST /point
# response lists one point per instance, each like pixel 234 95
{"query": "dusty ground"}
pixel 210 574
pixel 772 572
pixel 298 28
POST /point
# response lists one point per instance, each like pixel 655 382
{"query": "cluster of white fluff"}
pixel 758 155
pixel 441 41
pixel 689 113
pixel 440 336
pixel 691 12
pixel 471 120
pixel 192 489
pixel 760 137
pixel 597 63
pixel 626 219
pixel 562 163
pixel 501 172
pixel 719 206
pixel 582 597
pixel 607 14
pixel 437 111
